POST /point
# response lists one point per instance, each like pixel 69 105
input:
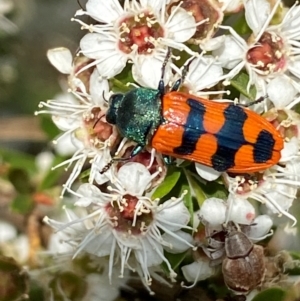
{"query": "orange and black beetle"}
pixel 224 136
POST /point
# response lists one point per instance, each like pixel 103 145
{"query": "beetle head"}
pixel 113 103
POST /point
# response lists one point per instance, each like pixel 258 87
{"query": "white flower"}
pixel 216 212
pixel 204 72
pixel 272 52
pixel 62 59
pixel 240 211
pixel 276 187
pixel 197 271
pixel 81 117
pixel 139 32
pixel 231 6
pixel 213 211
pixel 88 83
pixel 287 122
pixel 260 228
pixel 124 223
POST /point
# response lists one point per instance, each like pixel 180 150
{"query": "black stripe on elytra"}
pixel 193 128
pixel 263 147
pixel 230 138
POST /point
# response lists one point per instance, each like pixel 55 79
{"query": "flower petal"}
pixel 241 211
pixel 149 254
pixel 178 246
pixel 213 211
pixel 204 72
pixel 181 26
pixel 146 71
pixel 174 214
pixel 197 271
pixel 61 58
pixel 103 48
pixel 256 13
pixel 98 88
pixel 261 226
pixel 104 11
pixel 135 177
pixel 101 243
pixel 230 54
pixel 206 172
pixel 281 91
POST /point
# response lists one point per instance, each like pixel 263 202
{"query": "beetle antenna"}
pixel 98 119
pixel 161 84
pixel 185 69
pixel 107 167
pixel 103 96
pixel 258 100
pixel 184 72
pixel 112 161
pixel 166 60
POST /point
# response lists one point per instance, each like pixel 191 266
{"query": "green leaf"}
pixel 18 160
pixel 240 82
pixel 241 26
pixel 120 81
pixel 23 203
pixel 204 190
pixel 36 291
pixel 196 188
pixel 274 294
pixel 168 184
pixel 216 190
pixel 188 200
pixel 174 259
pixel 295 255
pixel 20 179
pixel 85 175
pixel 53 176
pixel 49 127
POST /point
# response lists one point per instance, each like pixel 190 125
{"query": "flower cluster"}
pixel 134 207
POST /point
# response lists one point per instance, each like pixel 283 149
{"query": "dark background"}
pixel 26 76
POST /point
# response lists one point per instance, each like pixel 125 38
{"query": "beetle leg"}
pixel 137 149
pixel 168 159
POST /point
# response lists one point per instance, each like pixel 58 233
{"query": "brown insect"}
pixel 244 266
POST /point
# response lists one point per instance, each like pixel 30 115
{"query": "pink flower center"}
pixel 202 10
pixel 286 125
pixel 268 55
pixel 97 128
pixel 248 182
pixel 139 33
pixel 129 218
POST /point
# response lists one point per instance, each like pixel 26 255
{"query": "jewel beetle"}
pixel 224 136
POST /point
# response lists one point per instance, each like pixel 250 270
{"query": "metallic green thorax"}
pixel 137 114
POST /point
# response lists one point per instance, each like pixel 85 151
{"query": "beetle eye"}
pixel 113 105
pixel 115 99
